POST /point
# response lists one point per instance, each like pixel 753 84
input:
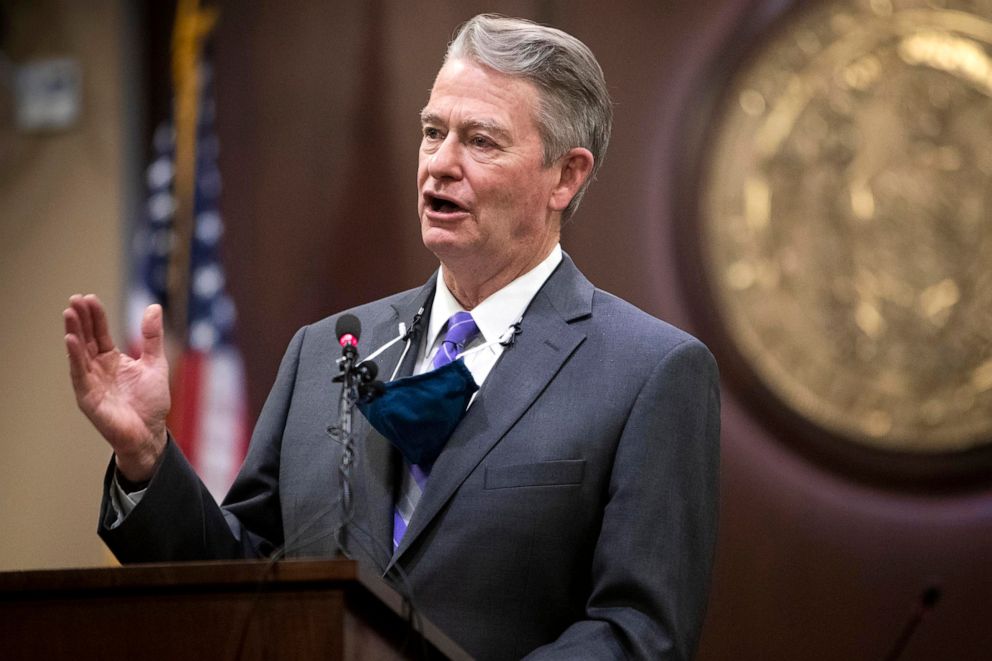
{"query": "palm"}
pixel 126 399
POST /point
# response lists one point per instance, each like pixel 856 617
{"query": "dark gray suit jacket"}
pixel 571 515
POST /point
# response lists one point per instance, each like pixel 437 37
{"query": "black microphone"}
pixel 363 374
pixel 366 371
pixel 924 603
pixel 348 330
pixel 369 388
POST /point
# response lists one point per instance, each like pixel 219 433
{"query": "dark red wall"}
pixel 318 103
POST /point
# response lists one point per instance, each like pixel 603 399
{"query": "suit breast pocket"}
pixel 543 474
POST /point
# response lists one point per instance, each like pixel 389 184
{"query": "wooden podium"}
pixel 322 609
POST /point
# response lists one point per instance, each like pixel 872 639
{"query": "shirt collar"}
pixel 502 308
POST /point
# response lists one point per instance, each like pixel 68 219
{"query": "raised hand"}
pixel 127 400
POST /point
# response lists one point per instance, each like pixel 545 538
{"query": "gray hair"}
pixel 574 108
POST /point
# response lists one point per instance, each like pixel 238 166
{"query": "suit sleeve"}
pixel 652 560
pixel 178 519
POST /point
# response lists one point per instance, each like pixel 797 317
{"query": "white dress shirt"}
pixel 493 316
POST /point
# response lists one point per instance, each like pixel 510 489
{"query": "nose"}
pixel 445 162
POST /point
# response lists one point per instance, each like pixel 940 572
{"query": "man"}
pixel 571 514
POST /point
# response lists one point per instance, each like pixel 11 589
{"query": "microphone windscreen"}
pixel 348 329
pixel 367 370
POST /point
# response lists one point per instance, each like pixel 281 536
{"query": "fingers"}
pixel 75 351
pixel 99 317
pixel 86 319
pixel 79 342
pixel 82 310
pixel 71 320
pixel 75 340
pixel 152 333
pixel 86 335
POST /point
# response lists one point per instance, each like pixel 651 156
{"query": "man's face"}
pixel 484 193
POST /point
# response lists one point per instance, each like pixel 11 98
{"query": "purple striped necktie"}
pixel 460 330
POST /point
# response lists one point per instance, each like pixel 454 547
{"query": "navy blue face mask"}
pixel 419 413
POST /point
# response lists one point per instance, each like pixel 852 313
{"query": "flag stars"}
pixel 161 207
pixel 202 336
pixel 160 173
pixel 209 227
pixel 208 281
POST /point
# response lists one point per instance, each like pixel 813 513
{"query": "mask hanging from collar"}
pixel 419 413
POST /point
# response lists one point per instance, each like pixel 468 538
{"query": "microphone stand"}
pixel 358 384
pixel 346 410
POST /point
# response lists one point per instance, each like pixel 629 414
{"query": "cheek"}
pixel 526 192
pixel 421 171
pixel 421 178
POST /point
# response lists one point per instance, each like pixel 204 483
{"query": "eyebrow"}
pixel 427 117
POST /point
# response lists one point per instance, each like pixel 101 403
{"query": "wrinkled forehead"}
pixel 481 96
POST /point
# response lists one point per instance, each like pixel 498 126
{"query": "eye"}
pixel 432 133
pixel 482 142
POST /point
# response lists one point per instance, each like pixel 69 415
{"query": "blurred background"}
pixel 823 553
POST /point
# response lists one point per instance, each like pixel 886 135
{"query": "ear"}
pixel 573 169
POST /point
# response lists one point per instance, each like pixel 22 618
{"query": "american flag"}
pixel 209 413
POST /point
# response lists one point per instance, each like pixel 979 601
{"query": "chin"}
pixel 443 241
pixel 443 249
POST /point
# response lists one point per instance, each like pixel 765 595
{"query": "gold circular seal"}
pixel 846 214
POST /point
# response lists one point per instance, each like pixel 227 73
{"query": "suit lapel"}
pixel 545 343
pixel 376 455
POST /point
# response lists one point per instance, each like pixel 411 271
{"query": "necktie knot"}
pixel 461 329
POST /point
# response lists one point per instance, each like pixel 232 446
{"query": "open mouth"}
pixel 441 205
